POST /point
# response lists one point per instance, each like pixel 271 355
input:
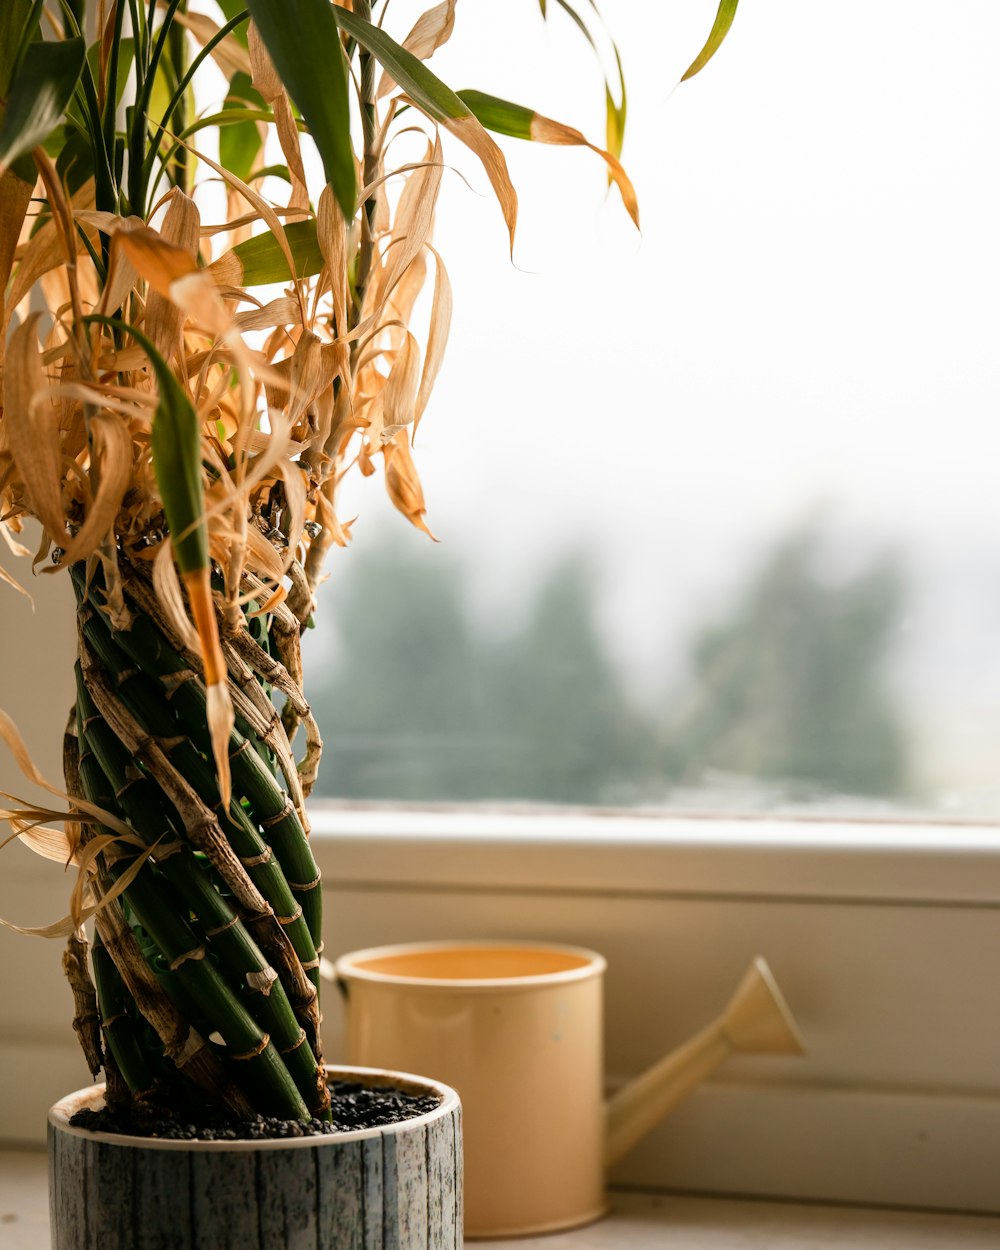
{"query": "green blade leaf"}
pixel 261 259
pixel 13 16
pixel 303 40
pixel 240 143
pixel 423 86
pixel 439 102
pixel 176 448
pixel 723 21
pixel 39 93
pixel 500 116
pixel 506 118
pixel 176 445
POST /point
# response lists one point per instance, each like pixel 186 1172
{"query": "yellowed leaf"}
pixel 403 484
pixel 412 224
pixel 400 392
pixel 331 233
pixel 181 228
pixel 156 261
pixel 31 423
pixel 15 743
pixel 230 55
pixel 545 130
pixel 111 470
pixel 430 31
pixel 15 198
pixel 472 134
pixel 44 252
pixel 167 585
pixel 437 337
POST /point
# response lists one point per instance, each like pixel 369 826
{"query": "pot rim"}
pixel 60 1113
pixel 347 966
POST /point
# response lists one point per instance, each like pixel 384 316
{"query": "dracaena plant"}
pixel 179 431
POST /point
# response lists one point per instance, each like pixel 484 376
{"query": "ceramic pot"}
pixel 397 1187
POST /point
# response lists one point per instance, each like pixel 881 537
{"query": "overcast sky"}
pixel 808 320
pixel 810 314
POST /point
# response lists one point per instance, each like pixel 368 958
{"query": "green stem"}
pixel 143 807
pixel 118 1026
pixel 184 710
pixel 185 954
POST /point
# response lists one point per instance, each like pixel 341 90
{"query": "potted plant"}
pixel 179 432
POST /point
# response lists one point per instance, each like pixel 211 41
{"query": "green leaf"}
pixel 39 93
pixel 303 40
pixel 231 9
pixel 615 112
pixel 176 446
pixel 126 54
pixel 723 21
pixel 262 259
pixel 523 123
pixel 423 86
pixel 241 142
pixel 13 15
pixel 500 116
pixel 439 103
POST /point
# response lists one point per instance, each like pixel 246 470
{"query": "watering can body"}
pixel 517 1029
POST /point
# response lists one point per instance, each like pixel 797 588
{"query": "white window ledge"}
pixel 820 859
pixel 882 935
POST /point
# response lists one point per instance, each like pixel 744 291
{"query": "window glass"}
pixel 716 504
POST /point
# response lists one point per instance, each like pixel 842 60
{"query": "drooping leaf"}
pixel 429 32
pixel 15 197
pixel 616 110
pixel 304 43
pixel 519 122
pixel 723 21
pixel 260 259
pixel 439 102
pixel 39 93
pixel 31 426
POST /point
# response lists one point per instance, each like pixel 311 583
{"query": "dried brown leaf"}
pixel 31 423
pixel 400 392
pixel 437 337
pixel 430 31
pixel 403 484
pixel 110 475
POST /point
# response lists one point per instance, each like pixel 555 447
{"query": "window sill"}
pixel 874 931
pixel 754 857
pixel 880 935
pixel 636 1222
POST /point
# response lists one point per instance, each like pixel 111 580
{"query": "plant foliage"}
pixel 180 432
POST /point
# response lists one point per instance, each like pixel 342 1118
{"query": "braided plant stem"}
pixel 217 934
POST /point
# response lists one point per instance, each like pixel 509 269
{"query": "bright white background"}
pixel 807 324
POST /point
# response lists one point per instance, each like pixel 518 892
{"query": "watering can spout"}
pixel 756 1021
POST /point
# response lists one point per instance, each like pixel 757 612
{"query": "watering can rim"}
pixel 349 967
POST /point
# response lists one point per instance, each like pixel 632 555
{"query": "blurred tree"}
pixel 566 731
pixel 792 685
pixel 397 700
pixel 417 703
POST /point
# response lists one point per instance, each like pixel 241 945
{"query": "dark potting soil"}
pixel 352 1105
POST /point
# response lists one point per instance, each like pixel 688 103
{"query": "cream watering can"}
pixel 517 1029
